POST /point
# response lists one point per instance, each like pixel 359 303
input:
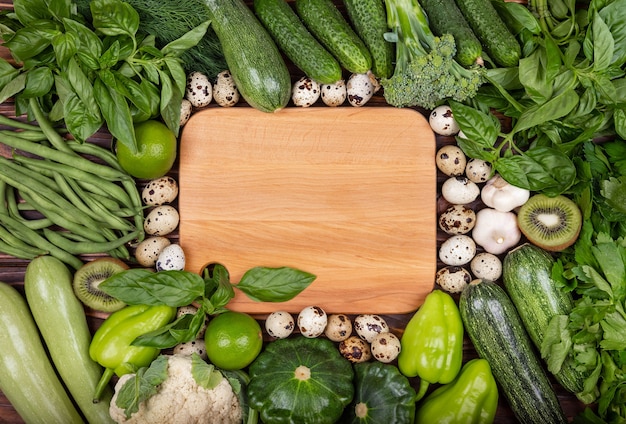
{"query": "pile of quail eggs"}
pixel 358 90
pixel 359 341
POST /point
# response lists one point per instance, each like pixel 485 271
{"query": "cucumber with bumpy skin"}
pixel 498 335
pixel 295 40
pixel 254 61
pixel 327 23
pixel 496 39
pixel 445 17
pixel 27 378
pixel 369 19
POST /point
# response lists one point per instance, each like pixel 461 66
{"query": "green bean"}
pixel 46 127
pixel 30 135
pixel 3 197
pixel 12 240
pixel 40 178
pixel 37 240
pixel 79 248
pixel 15 123
pixel 63 157
pixel 96 151
pixel 133 193
pixel 16 252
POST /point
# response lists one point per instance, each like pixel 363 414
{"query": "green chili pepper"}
pixel 112 347
pixel 472 398
pixel 432 343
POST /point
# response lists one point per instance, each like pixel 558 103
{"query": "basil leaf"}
pixel 7 73
pixel 13 87
pixel 91 43
pixel 139 286
pixel 171 100
pixel 115 111
pixel 188 40
pixel 28 11
pixel 218 290
pixel 39 81
pixel 603 44
pixel 79 121
pixel 114 17
pixel 29 41
pixel 264 284
pixel 557 107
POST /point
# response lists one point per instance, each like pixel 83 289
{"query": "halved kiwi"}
pixel 552 223
pixel 87 279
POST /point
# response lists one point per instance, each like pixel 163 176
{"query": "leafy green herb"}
pixel 142 385
pixel 206 375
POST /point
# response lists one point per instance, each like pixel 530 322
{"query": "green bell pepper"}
pixel 111 345
pixel 432 342
pixel 472 398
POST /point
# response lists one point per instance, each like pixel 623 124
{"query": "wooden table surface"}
pixel 12 270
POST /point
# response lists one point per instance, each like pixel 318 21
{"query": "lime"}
pixel 233 340
pixel 156 151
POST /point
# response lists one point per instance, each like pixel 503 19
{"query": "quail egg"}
pixel 338 328
pixel 457 250
pixel 453 279
pixel 279 324
pixel 486 266
pixel 188 348
pixel 161 220
pixel 312 321
pixel 478 170
pixel 355 349
pixel 334 94
pixel 148 250
pixel 385 347
pixel 359 89
pixel 186 109
pixel 442 121
pixel 451 160
pixel 160 191
pixel 457 219
pixel 225 90
pixel 199 90
pixel 305 92
pixel 460 190
pixel 368 325
pixel 171 258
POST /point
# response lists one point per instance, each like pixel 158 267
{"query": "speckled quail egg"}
pixel 338 327
pixel 161 220
pixel 171 258
pixel 359 89
pixel 334 94
pixel 457 250
pixel 280 324
pixel 451 160
pixel 442 121
pixel 199 90
pixel 188 348
pixel 355 349
pixel 457 219
pixel 486 266
pixel 186 109
pixel 312 321
pixel 478 170
pixel 453 279
pixel 305 92
pixel 368 325
pixel 160 191
pixel 225 90
pixel 385 347
pixel 460 190
pixel 148 250
pixel 190 309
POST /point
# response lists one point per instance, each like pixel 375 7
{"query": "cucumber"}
pixel 369 19
pixel 445 17
pixel 498 335
pixel 496 39
pixel 27 378
pixel 526 274
pixel 62 323
pixel 256 64
pixel 296 42
pixel 330 27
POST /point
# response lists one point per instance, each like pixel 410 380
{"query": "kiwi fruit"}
pixel 552 223
pixel 89 276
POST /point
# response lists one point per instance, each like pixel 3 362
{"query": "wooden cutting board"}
pixel 348 194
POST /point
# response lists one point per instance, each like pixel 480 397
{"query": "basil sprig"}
pixel 212 291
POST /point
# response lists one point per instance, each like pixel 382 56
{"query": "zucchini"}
pixel 526 274
pixel 495 37
pixel 27 378
pixel 256 64
pixel 62 323
pixel 296 42
pixel 330 27
pixel 445 17
pixel 369 19
pixel 498 335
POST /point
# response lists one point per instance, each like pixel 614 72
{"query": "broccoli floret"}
pixel 425 71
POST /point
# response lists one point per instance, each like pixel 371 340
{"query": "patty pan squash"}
pixel 382 394
pixel 300 380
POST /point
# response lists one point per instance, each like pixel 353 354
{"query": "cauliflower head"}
pixel 179 398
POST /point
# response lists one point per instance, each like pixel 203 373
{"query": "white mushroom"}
pixel 499 194
pixel 460 190
pixel 457 250
pixel 496 231
pixel 486 266
pixel 442 121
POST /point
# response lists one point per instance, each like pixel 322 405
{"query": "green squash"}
pixel 382 394
pixel 300 380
